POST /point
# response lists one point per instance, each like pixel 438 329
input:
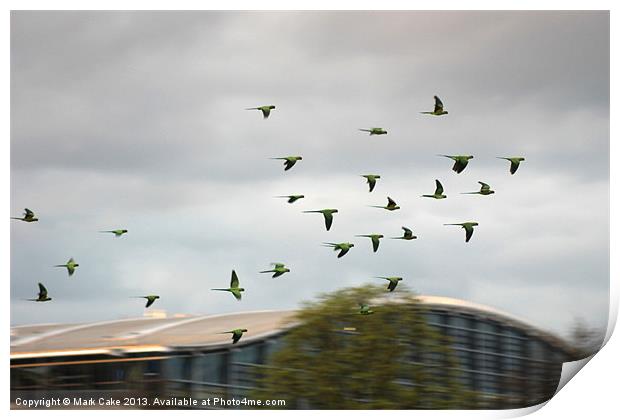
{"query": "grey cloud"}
pixel 137 120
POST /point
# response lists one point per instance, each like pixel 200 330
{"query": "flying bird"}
pixel 374 237
pixel 391 205
pixel 514 163
pixel 266 110
pixel 485 189
pixel 371 180
pixel 365 309
pixel 468 226
pixel 236 334
pixel 374 131
pixel 116 232
pixel 438 108
pixel 278 270
pixel 70 265
pixel 460 162
pixel 328 214
pixel 234 286
pixel 149 299
pixel 393 282
pixel 438 191
pixel 407 235
pixel 42 295
pixel 343 247
pixel 291 198
pixel 289 161
pixel 28 216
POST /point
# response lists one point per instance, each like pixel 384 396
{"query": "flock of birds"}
pixel 279 269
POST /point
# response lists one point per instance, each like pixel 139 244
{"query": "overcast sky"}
pixel 136 120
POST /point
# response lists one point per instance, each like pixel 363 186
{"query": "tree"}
pixel 337 358
pixel 585 339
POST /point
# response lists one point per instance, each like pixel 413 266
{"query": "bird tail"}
pixel 474 192
pixel 426 112
pixel 249 109
pixel 31 300
pixel 61 265
pixel 268 271
pixel 452 224
pixel 310 211
pixel 365 129
pixel 425 195
pixel 224 290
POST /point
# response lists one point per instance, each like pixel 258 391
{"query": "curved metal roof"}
pixel 143 334
pixel 177 333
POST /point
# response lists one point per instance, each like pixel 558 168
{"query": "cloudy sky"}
pixel 136 120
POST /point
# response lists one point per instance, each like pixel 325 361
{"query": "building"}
pixel 509 363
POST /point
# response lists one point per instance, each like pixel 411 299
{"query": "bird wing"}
pixel 70 269
pixel 266 111
pixel 375 243
pixel 278 265
pixel 288 164
pixel 42 291
pixel 408 231
pixel 439 187
pixel 438 104
pixel 329 218
pixel 28 213
pixel 469 231
pixel 371 183
pixel 149 301
pixel 391 203
pixel 234 280
pixel 342 251
pixel 514 165
pixel 236 294
pixel 392 286
pixel 484 187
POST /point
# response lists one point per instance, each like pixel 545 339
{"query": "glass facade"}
pixel 507 367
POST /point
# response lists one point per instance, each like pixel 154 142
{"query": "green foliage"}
pixel 585 340
pixel 337 358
